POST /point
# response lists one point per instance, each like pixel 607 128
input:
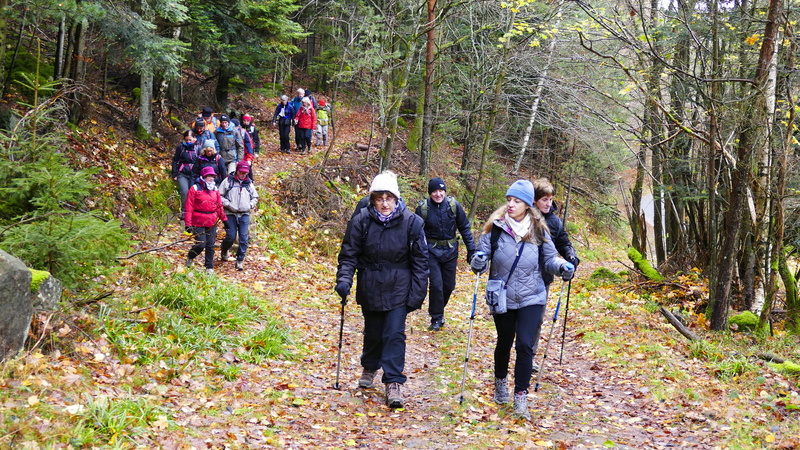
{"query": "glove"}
pixel 470 254
pixel 574 260
pixel 567 271
pixel 343 289
pixel 478 262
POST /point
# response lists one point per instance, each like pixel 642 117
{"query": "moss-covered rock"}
pixel 141 133
pixel 746 321
pixel 643 265
pixel 604 274
pixel 786 367
pixel 37 277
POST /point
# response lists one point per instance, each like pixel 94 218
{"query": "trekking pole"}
pixel 339 356
pixel 469 337
pixel 550 338
pixel 564 331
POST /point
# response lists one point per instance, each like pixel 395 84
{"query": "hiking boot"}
pixel 521 405
pixel 436 325
pixel 367 377
pixel 189 262
pixel 240 265
pixel 210 271
pixel 535 367
pixel 225 257
pixel 501 391
pixel 393 397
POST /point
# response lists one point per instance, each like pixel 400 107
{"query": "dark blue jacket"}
pixel 288 115
pixel 391 271
pixel 560 239
pixel 441 225
pixel 184 159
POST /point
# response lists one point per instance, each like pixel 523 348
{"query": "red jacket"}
pixel 203 207
pixel 306 118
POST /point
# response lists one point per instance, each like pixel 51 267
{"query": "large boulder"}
pixel 45 290
pixel 16 308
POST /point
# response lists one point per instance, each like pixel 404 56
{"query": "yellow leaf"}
pixel 33 400
pixel 161 423
pixel 770 438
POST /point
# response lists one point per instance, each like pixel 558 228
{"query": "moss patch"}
pixel 786 367
pixel 37 277
pixel 643 265
pixel 604 274
pixel 745 321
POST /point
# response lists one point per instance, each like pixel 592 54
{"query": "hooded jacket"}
pixel 306 118
pixel 526 286
pixel 184 159
pixel 238 196
pixel 231 146
pixel 560 238
pixel 203 206
pixel 214 161
pixel 288 114
pixel 392 271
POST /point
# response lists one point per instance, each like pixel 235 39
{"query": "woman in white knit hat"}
pixel 385 247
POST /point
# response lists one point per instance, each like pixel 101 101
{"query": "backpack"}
pixel 413 234
pixel 423 204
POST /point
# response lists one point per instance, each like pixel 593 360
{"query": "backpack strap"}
pixel 423 205
pixel 453 205
pixel 416 229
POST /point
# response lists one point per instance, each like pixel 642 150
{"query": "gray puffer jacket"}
pixel 238 197
pixel 526 286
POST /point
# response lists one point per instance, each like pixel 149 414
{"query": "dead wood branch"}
pixel 678 325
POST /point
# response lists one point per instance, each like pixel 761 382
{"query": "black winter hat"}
pixel 224 118
pixel 207 112
pixel 199 122
pixel 436 183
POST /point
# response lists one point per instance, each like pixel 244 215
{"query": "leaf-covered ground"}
pixel 626 378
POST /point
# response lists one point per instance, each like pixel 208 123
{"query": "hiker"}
pixel 209 158
pixel 544 203
pixel 312 98
pixel 516 241
pixel 209 121
pixel 297 103
pixel 203 210
pixel 182 164
pixel 443 217
pixel 247 141
pixel 283 120
pixel 249 127
pixel 239 197
pixel 202 134
pixel 231 146
pixel 386 243
pixel 322 123
pixel 306 120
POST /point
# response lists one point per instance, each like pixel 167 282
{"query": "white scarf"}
pixel 212 186
pixel 521 228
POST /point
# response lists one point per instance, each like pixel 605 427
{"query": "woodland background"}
pixel 690 103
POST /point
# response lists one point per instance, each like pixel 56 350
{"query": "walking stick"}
pixel 469 338
pixel 339 356
pixel 564 331
pixel 550 338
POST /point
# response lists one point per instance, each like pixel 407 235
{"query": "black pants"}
pixel 526 324
pixel 284 130
pixel 385 343
pixel 442 282
pixel 299 137
pixel 205 239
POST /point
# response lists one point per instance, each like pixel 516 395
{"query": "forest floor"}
pixel 626 378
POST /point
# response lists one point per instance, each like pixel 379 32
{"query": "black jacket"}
pixel 392 271
pixel 183 160
pixel 560 239
pixel 441 225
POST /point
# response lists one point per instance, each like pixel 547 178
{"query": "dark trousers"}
pixel 385 343
pixel 205 239
pixel 524 323
pixel 240 226
pixel 284 131
pixel 184 183
pixel 442 283
pixel 306 135
pixel 298 137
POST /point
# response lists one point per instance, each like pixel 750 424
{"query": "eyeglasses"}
pixel 385 200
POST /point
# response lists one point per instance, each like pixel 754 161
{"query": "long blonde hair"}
pixel 538 231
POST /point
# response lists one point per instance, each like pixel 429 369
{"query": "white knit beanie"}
pixel 385 181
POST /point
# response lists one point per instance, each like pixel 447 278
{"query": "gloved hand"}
pixel 343 289
pixel 567 271
pixel 574 260
pixel 478 262
pixel 470 254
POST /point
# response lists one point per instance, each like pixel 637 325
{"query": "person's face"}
pixel 190 139
pixel 225 124
pixel 198 129
pixel 241 175
pixel 209 151
pixel 438 195
pixel 385 204
pixel 245 122
pixel 516 208
pixel 209 178
pixel 544 203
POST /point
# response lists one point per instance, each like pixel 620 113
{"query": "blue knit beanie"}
pixel 523 190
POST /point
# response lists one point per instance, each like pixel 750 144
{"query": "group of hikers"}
pixel 398 257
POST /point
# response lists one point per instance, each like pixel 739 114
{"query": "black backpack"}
pixel 413 234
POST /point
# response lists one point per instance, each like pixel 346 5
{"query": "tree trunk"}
pixel 58 64
pixel 3 37
pixel 7 82
pixel 427 116
pixel 146 100
pixel 222 89
pixel 77 67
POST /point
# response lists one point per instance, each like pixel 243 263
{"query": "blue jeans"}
pixel 205 239
pixel 526 324
pixel 385 343
pixel 241 226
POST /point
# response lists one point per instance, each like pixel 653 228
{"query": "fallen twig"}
pixel 678 325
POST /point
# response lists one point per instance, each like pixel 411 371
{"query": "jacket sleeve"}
pixel 276 114
pixel 220 212
pixel 189 207
pixel 224 187
pixel 465 228
pixel 176 161
pixel 256 140
pixel 552 262
pixel 222 170
pixel 419 267
pixel 239 144
pixel 561 240
pixel 253 197
pixel 350 251
pixel 313 119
